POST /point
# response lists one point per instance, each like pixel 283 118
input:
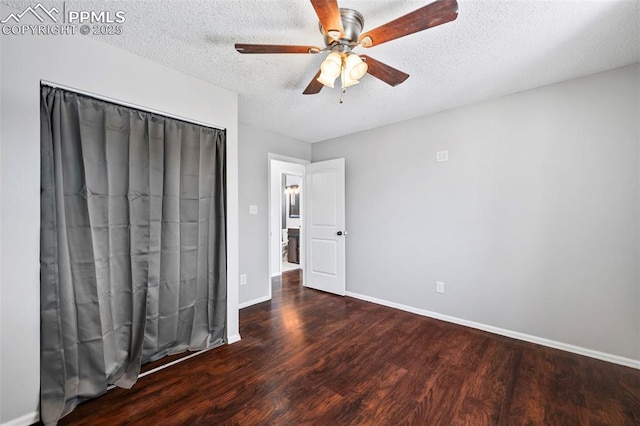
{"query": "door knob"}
pixel 339 233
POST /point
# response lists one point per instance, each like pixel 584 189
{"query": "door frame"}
pixel 270 158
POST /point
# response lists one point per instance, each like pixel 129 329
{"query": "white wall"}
pixel 83 63
pixel 532 224
pixel 255 146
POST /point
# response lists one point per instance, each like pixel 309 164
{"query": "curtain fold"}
pixel 133 244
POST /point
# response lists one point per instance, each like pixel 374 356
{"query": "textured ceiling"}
pixel 494 48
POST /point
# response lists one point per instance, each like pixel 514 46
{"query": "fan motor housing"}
pixel 352 22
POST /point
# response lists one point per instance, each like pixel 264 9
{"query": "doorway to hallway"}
pixel 286 252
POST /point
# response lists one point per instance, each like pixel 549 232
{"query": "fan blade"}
pixel 384 72
pixel 329 14
pixel 275 48
pixel 431 15
pixel 314 86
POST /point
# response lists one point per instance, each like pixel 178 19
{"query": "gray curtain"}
pixel 133 244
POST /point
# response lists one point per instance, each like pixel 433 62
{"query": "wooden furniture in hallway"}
pixel 293 255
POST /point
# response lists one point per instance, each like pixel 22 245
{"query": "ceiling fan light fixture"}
pixel 355 67
pixel 326 80
pixel 332 65
pixel 348 82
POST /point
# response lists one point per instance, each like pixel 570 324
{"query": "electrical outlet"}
pixel 253 209
pixel 442 156
pixel 439 286
pixel 243 279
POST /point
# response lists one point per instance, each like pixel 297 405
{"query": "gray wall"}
pixel 254 148
pixel 532 224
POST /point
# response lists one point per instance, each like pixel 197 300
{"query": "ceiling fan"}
pixel 341 30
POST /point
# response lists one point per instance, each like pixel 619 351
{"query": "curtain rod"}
pixel 128 104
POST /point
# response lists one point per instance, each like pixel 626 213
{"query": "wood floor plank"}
pixel 311 358
pixel 486 387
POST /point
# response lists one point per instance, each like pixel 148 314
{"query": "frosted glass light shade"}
pixel 355 67
pixel 326 80
pixel 348 81
pixel 332 65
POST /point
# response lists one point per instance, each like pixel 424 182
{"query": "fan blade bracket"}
pixel 334 34
pixel 366 41
pixel 328 13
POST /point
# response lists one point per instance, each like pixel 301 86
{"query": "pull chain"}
pixel 344 89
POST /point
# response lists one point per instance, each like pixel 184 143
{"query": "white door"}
pixel 324 221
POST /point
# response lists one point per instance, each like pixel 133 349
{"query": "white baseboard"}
pixel 615 359
pixel 26 420
pixel 233 339
pixel 254 302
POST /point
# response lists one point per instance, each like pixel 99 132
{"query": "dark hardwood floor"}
pixel 307 357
